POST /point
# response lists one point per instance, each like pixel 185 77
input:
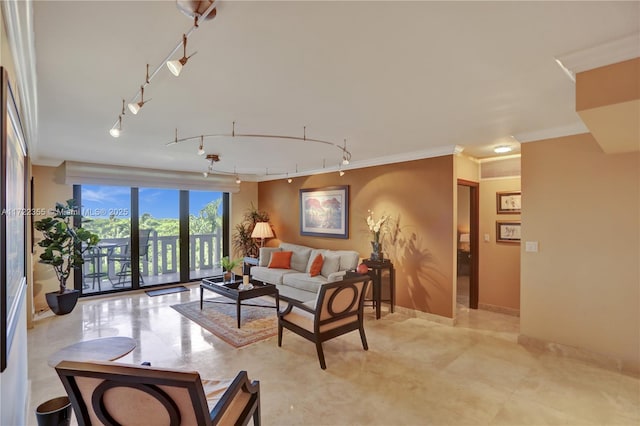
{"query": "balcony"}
pixel 102 272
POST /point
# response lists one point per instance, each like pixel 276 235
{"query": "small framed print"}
pixel 508 202
pixel 507 231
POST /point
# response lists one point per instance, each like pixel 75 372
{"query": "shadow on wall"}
pixel 414 263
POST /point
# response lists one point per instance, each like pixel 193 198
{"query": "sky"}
pixel 103 201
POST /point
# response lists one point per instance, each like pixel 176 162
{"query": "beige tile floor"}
pixel 416 372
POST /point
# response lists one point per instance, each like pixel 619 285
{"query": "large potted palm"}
pixel 64 245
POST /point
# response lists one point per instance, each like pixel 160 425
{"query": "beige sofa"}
pixel 296 282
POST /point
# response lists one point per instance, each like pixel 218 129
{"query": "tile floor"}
pixel 416 372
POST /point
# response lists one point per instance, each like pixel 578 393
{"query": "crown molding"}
pixel 379 161
pixel 598 56
pixel 553 132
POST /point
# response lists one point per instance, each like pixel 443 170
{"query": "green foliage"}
pixel 241 239
pixel 228 264
pixel 206 222
pixel 63 243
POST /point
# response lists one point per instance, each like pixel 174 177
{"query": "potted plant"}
pixel 242 241
pixel 64 244
pixel 228 265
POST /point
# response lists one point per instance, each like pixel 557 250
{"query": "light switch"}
pixel 487 238
pixel 531 246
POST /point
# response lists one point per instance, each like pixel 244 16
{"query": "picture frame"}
pixel 508 231
pixel 13 223
pixel 324 212
pixel 509 202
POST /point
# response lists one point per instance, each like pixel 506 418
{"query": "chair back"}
pixel 118 394
pixel 144 242
pixel 340 302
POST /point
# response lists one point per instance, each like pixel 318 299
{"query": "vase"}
pixel 376 253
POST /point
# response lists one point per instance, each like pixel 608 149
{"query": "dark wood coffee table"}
pixel 229 289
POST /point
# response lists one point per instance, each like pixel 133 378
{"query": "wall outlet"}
pixel 487 238
pixel 531 246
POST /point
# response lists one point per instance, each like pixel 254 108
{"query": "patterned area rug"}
pixel 258 323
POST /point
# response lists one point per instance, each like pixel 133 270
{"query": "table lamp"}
pixel 262 230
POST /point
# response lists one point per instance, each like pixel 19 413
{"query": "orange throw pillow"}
pixel 316 266
pixel 280 260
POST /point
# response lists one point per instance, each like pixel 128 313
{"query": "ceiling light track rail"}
pixel 346 155
pixel 116 129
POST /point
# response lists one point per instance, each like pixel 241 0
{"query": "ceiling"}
pixel 397 80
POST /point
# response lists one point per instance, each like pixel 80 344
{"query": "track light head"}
pixel 175 66
pixel 115 131
pixel 345 161
pixel 135 108
pixel 238 181
pixel 341 173
pixel 205 174
pixel 289 180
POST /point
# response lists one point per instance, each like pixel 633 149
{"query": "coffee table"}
pixel 230 290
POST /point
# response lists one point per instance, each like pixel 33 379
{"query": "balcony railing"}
pixel 160 263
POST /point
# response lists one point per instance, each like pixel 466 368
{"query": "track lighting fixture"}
pixel 238 181
pixel 135 108
pixel 199 10
pixel 341 173
pixel 289 180
pixel 115 131
pixel 201 148
pixel 175 66
pixel 205 174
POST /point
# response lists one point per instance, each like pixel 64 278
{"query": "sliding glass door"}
pixel 150 236
pixel 159 230
pixel 205 233
pixel 106 211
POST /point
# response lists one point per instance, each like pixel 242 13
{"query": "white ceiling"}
pixel 397 80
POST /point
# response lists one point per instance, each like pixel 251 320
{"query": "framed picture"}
pixel 508 202
pixel 13 219
pixel 324 212
pixel 507 231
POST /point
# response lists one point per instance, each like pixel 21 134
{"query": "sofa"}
pixel 296 281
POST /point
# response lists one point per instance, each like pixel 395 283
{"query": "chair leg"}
pixel 279 334
pixel 323 365
pixel 363 337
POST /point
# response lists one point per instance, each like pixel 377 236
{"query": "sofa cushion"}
pixel 330 265
pixel 312 256
pixel 302 281
pixel 280 260
pixel 316 265
pixel 265 255
pixel 348 259
pixel 267 275
pixel 300 257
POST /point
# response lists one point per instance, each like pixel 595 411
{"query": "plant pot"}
pixel 54 412
pixel 62 303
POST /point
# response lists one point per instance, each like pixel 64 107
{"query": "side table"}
pixel 375 271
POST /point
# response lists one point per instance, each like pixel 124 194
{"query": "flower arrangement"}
pixel 374 226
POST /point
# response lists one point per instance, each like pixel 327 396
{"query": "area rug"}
pixel 163 291
pixel 258 322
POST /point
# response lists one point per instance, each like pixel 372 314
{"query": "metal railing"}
pixel 163 254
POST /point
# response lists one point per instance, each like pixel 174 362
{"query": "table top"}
pixel 103 349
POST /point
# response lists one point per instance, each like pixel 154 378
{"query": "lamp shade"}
pixel 262 230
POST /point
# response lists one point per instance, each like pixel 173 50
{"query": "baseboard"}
pixel 600 360
pixel 499 309
pixel 424 315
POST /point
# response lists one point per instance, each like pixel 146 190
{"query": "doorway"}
pixel 467 285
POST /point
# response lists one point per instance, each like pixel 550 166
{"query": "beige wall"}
pixel 46 193
pixel 419 196
pixel 499 263
pixel 240 203
pixel 582 288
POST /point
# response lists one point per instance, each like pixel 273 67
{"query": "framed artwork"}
pixel 324 212
pixel 13 219
pixel 507 231
pixel 508 202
